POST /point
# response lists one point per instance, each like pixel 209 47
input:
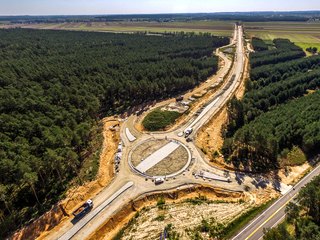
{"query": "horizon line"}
pixel 134 14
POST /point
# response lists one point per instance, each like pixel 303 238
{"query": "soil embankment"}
pixel 209 138
pixel 53 219
pixel 113 225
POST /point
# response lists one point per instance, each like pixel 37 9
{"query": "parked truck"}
pixel 83 209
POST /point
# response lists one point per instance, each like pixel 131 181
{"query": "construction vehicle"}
pixel 83 209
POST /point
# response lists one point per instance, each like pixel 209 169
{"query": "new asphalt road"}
pixel 275 213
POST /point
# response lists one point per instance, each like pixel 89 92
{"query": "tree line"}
pixel 283 50
pixel 257 144
pixel 258 44
pixel 273 89
pixel 267 121
pixel 56 85
pixel 264 75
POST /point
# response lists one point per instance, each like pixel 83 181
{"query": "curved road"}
pixel 128 185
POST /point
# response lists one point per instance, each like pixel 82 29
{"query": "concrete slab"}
pixel 284 188
pixel 208 175
pixel 157 156
pixel 204 112
pixel 130 137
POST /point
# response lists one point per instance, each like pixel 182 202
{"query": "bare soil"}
pixel 293 174
pixel 171 164
pixel 262 195
pixel 182 215
pixel 209 138
pixel 62 212
pixel 113 225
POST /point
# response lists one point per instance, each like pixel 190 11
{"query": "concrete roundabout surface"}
pixel 159 158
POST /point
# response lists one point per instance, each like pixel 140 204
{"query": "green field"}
pixel 303 34
pixel 220 28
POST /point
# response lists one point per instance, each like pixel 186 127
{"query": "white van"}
pixel 158 181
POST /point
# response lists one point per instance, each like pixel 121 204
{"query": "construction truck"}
pixel 83 209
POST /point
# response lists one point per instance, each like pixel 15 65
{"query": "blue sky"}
pixel 53 7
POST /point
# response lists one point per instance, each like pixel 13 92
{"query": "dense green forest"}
pixel 275 114
pixel 56 85
pixel 259 45
pixel 303 215
pixel 283 50
pixel 293 124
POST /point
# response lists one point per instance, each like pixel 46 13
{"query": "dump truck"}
pixel 83 209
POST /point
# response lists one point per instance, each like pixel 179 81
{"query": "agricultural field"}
pixel 219 28
pixel 303 34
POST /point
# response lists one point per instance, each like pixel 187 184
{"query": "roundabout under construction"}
pixel 159 158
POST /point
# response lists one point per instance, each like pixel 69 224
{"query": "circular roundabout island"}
pixel 160 158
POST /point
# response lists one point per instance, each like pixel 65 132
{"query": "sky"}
pixel 87 7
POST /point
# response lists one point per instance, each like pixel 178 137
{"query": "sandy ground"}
pixel 120 219
pixel 260 196
pixel 293 174
pixel 55 218
pixel 182 216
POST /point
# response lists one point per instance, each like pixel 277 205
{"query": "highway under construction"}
pixel 133 180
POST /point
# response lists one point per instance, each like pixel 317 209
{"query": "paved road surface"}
pixel 275 213
pixel 84 221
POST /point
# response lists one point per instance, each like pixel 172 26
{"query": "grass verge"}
pixel 236 225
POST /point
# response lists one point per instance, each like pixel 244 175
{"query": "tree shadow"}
pixel 259 181
pixel 276 181
pixel 239 177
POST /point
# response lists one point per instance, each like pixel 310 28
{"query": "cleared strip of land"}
pixel 76 228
